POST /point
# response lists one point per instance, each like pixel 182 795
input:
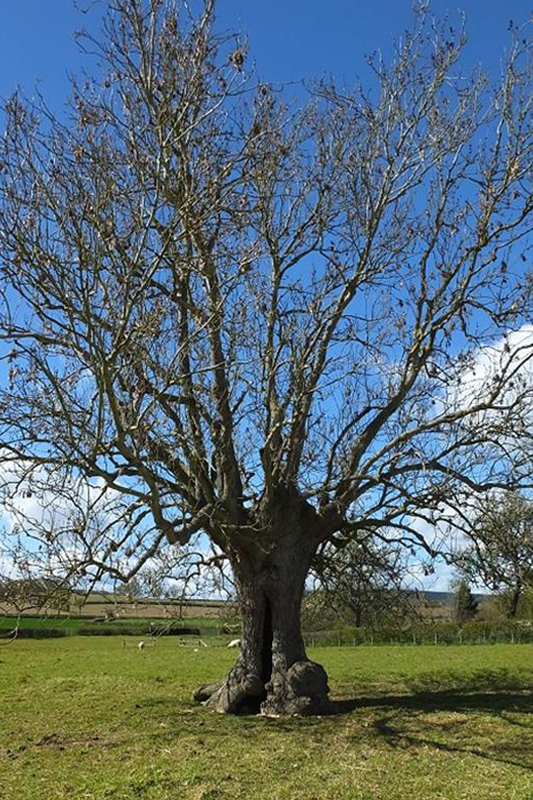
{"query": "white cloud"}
pixel 507 362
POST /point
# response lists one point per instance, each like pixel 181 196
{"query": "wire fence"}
pixel 520 632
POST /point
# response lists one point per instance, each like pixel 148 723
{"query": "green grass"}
pixel 88 719
pixel 208 626
pixel 8 623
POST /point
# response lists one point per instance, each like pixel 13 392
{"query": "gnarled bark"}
pixel 272 674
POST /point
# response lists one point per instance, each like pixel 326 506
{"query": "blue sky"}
pixel 288 39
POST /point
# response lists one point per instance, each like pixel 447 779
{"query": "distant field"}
pixel 207 625
pixel 99 604
pixel 8 623
pixel 87 718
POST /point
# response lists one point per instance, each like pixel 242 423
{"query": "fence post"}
pixel 436 638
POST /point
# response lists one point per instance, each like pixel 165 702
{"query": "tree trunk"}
pixel 272 675
pixel 358 614
pixel 514 598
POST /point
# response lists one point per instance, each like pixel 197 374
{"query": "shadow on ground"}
pixel 485 715
pixel 488 715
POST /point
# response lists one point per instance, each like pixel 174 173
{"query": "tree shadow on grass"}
pixel 395 728
pixel 483 714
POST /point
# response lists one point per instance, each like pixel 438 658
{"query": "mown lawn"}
pixel 87 718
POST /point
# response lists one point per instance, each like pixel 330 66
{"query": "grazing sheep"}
pixel 141 645
pixel 235 643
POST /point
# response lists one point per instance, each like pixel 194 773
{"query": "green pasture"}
pixel 57 623
pixel 98 719
pixel 71 625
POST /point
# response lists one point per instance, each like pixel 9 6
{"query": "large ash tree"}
pixel 273 323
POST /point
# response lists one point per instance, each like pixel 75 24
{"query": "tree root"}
pixel 300 691
pixel 236 695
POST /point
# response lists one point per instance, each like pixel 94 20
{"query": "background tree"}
pixel 500 552
pixel 273 323
pixel 365 582
pixel 30 595
pixel 465 606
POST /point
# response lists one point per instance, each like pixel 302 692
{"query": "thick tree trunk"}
pixel 272 674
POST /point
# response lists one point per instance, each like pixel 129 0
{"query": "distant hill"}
pixel 442 598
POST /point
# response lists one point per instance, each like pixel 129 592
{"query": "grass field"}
pixel 88 719
pixel 70 625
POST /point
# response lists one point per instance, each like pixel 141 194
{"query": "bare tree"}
pixel 500 548
pixel 264 321
pixel 367 580
pixel 30 595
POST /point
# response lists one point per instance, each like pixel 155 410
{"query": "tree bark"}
pixel 514 600
pixel 272 675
